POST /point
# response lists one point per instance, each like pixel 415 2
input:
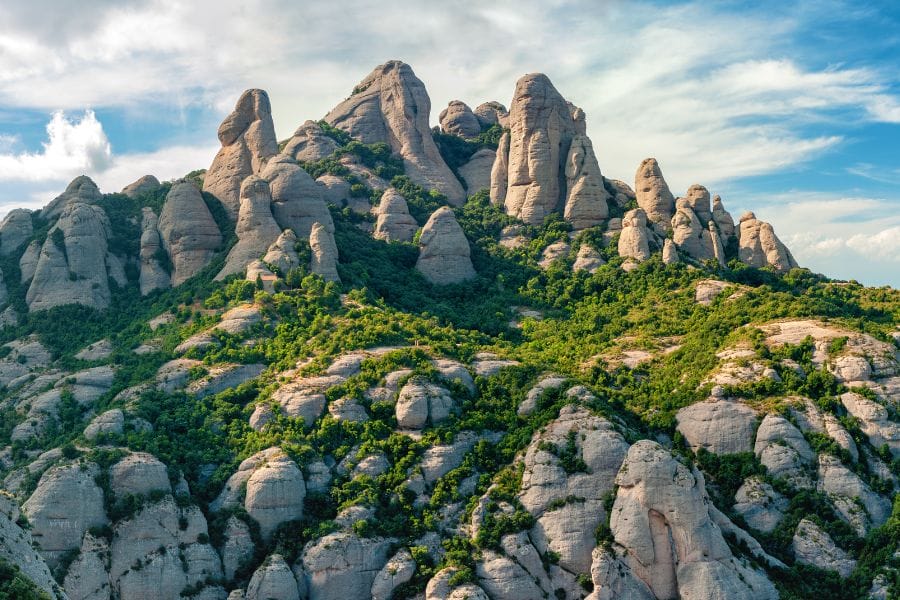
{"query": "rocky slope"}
pixel 378 360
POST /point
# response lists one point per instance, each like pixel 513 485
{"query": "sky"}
pixel 789 109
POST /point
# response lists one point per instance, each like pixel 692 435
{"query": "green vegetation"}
pixel 15 586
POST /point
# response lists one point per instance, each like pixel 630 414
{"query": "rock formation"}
pixel 309 143
pixel 690 231
pixel 15 230
pixel 586 197
pixel 667 533
pixel 812 546
pixel 477 171
pixel 145 184
pixel 723 220
pixel 492 113
pixel 248 140
pixel 529 172
pixel 73 263
pixel 394 223
pixel 81 189
pixel 153 275
pixel 391 106
pixel 297 200
pixel 634 241
pixel 670 253
pixel 281 253
pixel 256 228
pixel 653 194
pixel 444 250
pixel 588 260
pixel 29 260
pixel 324 253
pixel 189 233
pixel 758 246
pixel 458 119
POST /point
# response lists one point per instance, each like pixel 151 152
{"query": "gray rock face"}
pixel 670 253
pixel 256 228
pixel 324 253
pixel 72 267
pixel 297 200
pixel 420 401
pixel 653 194
pixel 111 422
pixel 477 172
pixel 444 255
pixel 760 505
pixel 66 503
pixel 634 241
pixel 273 581
pixel 188 231
pixel 28 262
pixel 153 275
pixel 139 474
pixel 238 547
pixel 849 493
pixel 391 105
pixel 758 246
pixel 586 196
pixel 719 426
pixel 394 223
pixel 492 113
pixel 145 184
pixel 281 253
pixel 588 260
pixel 15 230
pixel 532 170
pixel 723 220
pixel 16 546
pixel 248 140
pixel 689 231
pixel 81 189
pixel 309 143
pixel 397 571
pixel 874 420
pixel 783 450
pixel 341 565
pixel 663 521
pixel 458 119
pixel 812 546
pixel 275 493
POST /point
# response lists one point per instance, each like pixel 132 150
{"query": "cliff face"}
pixel 309 378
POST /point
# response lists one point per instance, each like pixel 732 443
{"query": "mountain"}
pixel 379 360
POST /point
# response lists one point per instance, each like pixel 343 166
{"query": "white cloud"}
pixel 73 147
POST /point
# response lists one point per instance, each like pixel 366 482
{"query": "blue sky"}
pixel 791 110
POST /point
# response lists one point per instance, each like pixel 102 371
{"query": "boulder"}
pixel 718 425
pixel 666 528
pixel 874 420
pixel 275 493
pixel 341 565
pixel 690 234
pixel 72 267
pixel 273 580
pixel 759 504
pixel 324 253
pixel 281 254
pixel 476 173
pixel 391 106
pixel 397 571
pixel 758 246
pixel 634 241
pixel 248 141
pixel 139 474
pixel 588 260
pixel 256 228
pixel 723 220
pixel 309 143
pixel 653 194
pixel 418 401
pixel 531 162
pixel 153 275
pixel 394 223
pixel 335 190
pixel 586 197
pixel 188 231
pixel 813 546
pixel 66 503
pixel 238 547
pixel 111 422
pixel 81 189
pixel 458 119
pixel 554 252
pixel 491 113
pixel 29 261
pixel 15 229
pixel 670 253
pixel 147 183
pixel 297 200
pixel 849 492
pixel 444 250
